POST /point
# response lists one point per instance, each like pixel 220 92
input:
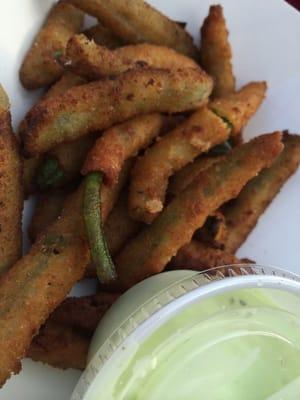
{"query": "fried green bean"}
pixel 40 281
pixel 40 67
pixel 64 340
pixel 199 256
pixel 151 173
pixel 48 208
pixel 214 232
pixel 154 247
pixel 59 346
pixel 120 143
pixel 11 190
pixel 30 170
pixel 103 36
pixel 67 81
pixel 237 108
pixel 76 113
pixel 119 227
pixel 135 21
pixel 87 59
pixel 204 130
pixel 186 175
pixel 94 228
pixel 243 213
pixel 63 163
pixel 67 155
pixel 215 52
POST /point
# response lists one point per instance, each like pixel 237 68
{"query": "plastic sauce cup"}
pixel 226 334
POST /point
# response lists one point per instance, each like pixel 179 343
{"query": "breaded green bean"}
pixel 214 232
pixel 11 190
pixel 135 21
pixel 33 166
pixel 48 208
pixel 120 143
pixel 202 131
pixel 119 227
pixel 87 59
pixel 186 175
pixel 67 81
pixel 40 67
pixel 60 346
pixel 103 36
pixel 215 52
pixel 64 340
pixel 154 247
pixel 71 156
pixel 237 108
pixel 40 281
pixel 99 105
pixel 30 170
pixel 151 173
pixel 243 213
pixel 199 256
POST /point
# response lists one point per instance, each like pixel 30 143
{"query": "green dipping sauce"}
pixel 242 345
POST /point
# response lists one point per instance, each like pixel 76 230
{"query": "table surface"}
pixel 295 3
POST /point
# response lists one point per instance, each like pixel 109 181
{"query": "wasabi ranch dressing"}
pixel 242 345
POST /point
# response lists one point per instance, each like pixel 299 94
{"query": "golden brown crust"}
pixel 87 59
pixel 60 346
pixel 40 281
pixel 237 108
pixel 153 248
pixel 67 81
pixel 186 175
pixel 48 208
pixel 243 213
pixel 11 190
pixel 76 113
pixel 120 143
pixel 199 256
pixel 215 52
pixel 138 22
pixel 64 340
pixel 119 226
pixel 103 36
pixel 40 67
pixel 149 179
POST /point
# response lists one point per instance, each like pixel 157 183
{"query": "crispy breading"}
pixel 103 36
pixel 214 232
pixel 215 52
pixel 64 339
pixel 48 208
pixel 154 247
pixel 67 81
pixel 135 21
pixel 11 189
pixel 199 256
pixel 149 180
pixel 39 281
pixel 119 226
pixel 71 156
pixel 87 59
pixel 243 213
pixel 40 67
pixel 186 175
pixel 120 143
pixel 76 113
pixel 32 166
pixel 237 108
pixel 60 346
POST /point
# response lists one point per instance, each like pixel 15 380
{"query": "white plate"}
pixel 265 39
